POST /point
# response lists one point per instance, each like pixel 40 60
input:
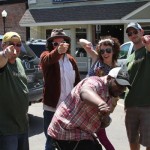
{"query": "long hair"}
pixel 114 43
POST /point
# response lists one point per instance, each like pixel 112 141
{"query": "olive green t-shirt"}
pixel 13 99
pixel 139 71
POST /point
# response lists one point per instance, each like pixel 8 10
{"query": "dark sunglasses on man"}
pixel 107 50
pixel 55 44
pixel 132 32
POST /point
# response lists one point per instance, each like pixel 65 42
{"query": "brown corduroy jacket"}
pixel 51 73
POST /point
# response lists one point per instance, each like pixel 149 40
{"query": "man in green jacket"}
pixel 137 101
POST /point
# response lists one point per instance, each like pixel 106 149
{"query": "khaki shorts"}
pixel 137 121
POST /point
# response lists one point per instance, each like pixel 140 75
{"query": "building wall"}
pixel 14 14
pixel 83 62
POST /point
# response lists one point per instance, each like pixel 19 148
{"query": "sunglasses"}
pixel 131 33
pixel 56 43
pixel 16 45
pixel 107 50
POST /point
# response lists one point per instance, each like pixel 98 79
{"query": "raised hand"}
pixel 62 48
pixel 9 52
pixel 146 41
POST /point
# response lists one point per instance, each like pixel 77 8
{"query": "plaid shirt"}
pixel 76 120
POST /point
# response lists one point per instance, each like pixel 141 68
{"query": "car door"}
pixel 33 71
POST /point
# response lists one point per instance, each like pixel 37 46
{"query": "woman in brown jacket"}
pixel 60 75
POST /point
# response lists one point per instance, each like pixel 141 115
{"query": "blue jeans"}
pixel 47 119
pixel 14 142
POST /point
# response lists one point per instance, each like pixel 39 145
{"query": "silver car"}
pixel 126 50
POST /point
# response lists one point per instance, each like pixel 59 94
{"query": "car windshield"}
pixel 124 51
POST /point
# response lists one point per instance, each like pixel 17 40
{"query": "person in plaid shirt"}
pixel 78 116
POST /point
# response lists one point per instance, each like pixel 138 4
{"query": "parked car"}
pixel 33 71
pixel 126 50
pixel 37 45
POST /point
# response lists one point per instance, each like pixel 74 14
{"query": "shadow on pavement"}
pixel 35 125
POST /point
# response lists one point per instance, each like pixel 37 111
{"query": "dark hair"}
pixel 114 43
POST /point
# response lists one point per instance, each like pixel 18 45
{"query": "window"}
pixel 48 33
pixel 80 34
pixel 146 30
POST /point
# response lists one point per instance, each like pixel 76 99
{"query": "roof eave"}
pixel 72 23
pixel 119 21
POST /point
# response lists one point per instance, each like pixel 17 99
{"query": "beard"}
pixel 113 91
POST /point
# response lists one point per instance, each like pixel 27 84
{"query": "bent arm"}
pixel 50 57
pixel 90 51
pixel 92 98
pixel 3 59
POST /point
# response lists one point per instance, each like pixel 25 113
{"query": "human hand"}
pixel 62 48
pixel 86 44
pixel 104 112
pixel 105 121
pixel 103 108
pixel 9 52
pixel 146 41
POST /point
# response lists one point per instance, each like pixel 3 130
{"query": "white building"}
pixel 88 19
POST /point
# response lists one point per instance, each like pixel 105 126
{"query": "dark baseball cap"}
pixel 134 25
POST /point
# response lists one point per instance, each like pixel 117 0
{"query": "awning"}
pixel 89 14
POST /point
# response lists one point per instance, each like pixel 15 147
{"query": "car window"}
pixel 26 52
pixel 124 51
pixel 37 45
pixel 38 49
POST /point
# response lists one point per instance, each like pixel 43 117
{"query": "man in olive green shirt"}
pixel 137 101
pixel 13 96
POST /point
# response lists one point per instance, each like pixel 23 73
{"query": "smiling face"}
pixel 106 53
pixel 135 35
